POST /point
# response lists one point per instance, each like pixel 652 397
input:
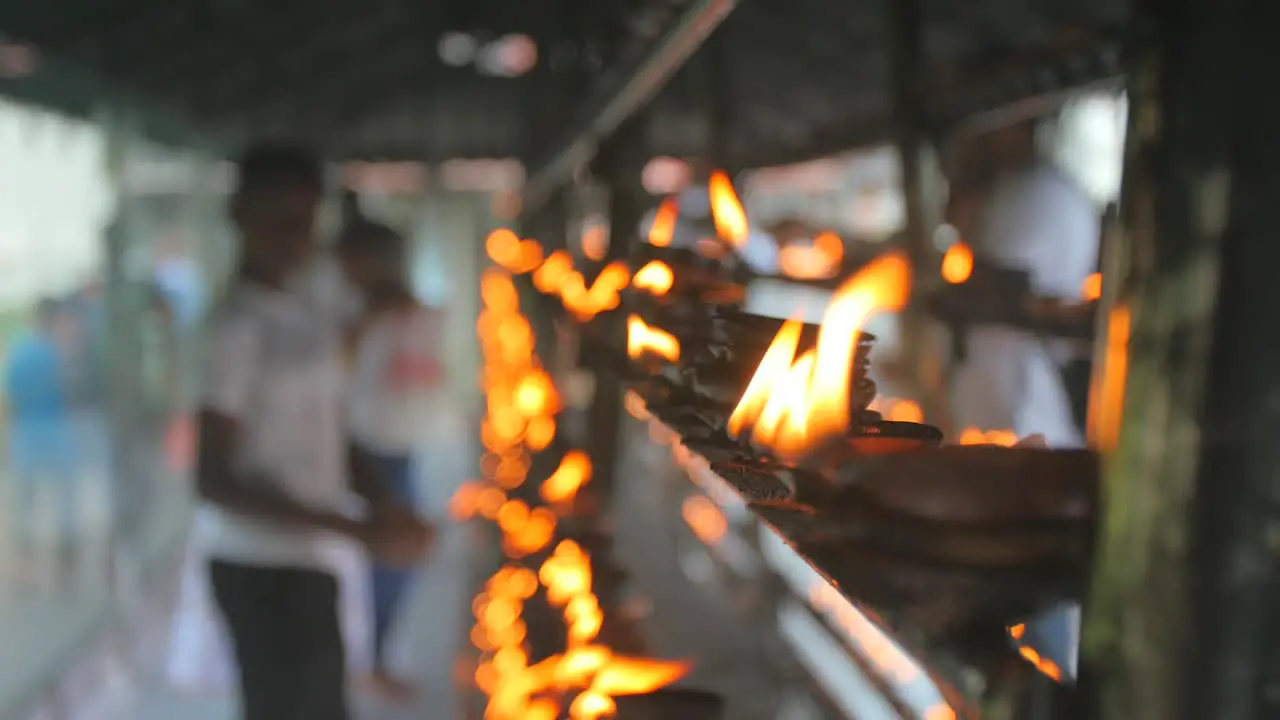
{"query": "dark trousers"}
pixel 286 638
pixel 390 584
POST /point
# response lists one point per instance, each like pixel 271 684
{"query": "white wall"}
pixel 55 198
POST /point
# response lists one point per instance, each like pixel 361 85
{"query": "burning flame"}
pixel 656 277
pixel 643 339
pixel 521 400
pixel 1106 402
pixel 595 241
pixel 883 285
pixel 564 483
pixel 810 262
pixel 1044 665
pixel 793 403
pixel 663 230
pixel 974 436
pixel 726 210
pixel 513 254
pixel 898 410
pixel 957 264
pixel 1091 288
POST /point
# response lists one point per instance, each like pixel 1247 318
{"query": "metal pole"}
pixel 605 112
pixel 1180 603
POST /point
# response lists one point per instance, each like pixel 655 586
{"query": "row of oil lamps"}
pixel 522 401
pixel 797 402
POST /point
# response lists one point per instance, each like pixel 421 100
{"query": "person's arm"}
pixel 366 480
pixel 230 378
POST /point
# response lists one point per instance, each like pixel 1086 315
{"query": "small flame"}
pixel 726 210
pixel 1106 402
pixel 595 241
pixel 643 339
pixel 957 264
pixel 705 519
pixel 553 272
pixel 656 277
pixel 636 676
pixel 1091 288
pixel 663 230
pixel 564 483
pixel 976 436
pixel 811 262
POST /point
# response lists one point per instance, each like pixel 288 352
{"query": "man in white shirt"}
pixel 275 465
pixel 1031 217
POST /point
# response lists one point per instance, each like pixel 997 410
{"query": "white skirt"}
pixel 200 657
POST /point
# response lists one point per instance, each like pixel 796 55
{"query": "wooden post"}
pixel 1183 599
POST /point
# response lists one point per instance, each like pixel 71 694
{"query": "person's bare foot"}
pixel 390 688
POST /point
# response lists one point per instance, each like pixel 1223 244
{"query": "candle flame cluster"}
pixel 521 405
pixel 792 402
pixel 555 274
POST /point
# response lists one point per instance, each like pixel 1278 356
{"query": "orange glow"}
pixel 521 400
pixel 882 286
pixel 503 247
pixel 595 241
pixel 705 519
pixel 591 705
pixel 775 364
pixel 975 436
pixel 656 278
pixel 539 434
pixel 940 712
pixel 564 483
pixel 726 210
pixel 820 260
pixel 643 339
pixel 1106 404
pixel 905 411
pixel 1091 288
pixel 957 264
pixel 536 395
pixel 663 230
pixel 553 271
pixel 636 676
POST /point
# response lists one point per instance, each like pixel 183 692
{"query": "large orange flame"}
pixel 726 210
pixel 644 340
pixel 663 230
pixel 792 404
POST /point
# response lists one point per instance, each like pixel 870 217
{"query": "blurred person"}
pixel 275 469
pixel 88 372
pixel 41 441
pixel 178 278
pixel 1028 216
pixel 394 367
pixel 1023 212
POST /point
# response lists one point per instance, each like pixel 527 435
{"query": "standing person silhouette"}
pixel 275 466
pixel 41 435
pixel 394 368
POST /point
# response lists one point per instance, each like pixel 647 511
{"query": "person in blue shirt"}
pixel 40 446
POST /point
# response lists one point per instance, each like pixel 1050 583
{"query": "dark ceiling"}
pixel 786 79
